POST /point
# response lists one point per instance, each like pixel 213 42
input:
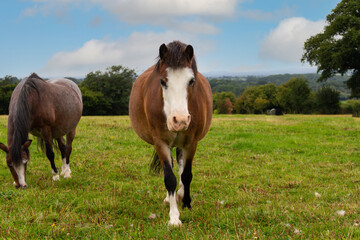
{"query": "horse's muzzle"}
pixel 178 123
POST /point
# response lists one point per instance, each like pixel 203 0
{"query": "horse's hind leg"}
pixel 62 147
pixel 180 160
pixel 50 155
pixel 66 172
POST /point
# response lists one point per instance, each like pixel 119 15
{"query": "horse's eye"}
pixel 192 81
pixel 163 83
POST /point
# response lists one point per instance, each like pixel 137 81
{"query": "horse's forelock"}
pixel 176 58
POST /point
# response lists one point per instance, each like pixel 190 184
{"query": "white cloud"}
pixel 186 15
pixel 286 41
pixel 139 52
pixel 140 11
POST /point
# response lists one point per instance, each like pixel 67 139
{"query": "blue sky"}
pixel 62 38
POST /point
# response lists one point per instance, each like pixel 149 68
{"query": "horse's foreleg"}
pixel 66 172
pixel 164 154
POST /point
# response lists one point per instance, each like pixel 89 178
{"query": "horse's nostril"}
pixel 174 119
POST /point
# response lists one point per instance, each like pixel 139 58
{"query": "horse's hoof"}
pixel 186 206
pixel 56 177
pixel 65 171
pixel 174 223
pixel 67 175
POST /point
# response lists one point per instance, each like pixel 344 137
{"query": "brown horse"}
pixel 171 106
pixel 48 110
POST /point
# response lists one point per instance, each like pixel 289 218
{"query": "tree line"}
pixel 238 84
pixel 293 96
pixel 107 93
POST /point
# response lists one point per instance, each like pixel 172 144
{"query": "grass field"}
pixel 255 177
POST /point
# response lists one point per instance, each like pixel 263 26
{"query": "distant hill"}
pixel 238 84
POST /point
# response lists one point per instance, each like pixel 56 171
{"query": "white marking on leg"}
pixel 174 212
pixel 166 200
pixel 65 169
pixel 20 171
pixel 180 192
pixel 55 176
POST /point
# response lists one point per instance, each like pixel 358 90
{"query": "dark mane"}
pixel 22 116
pixel 175 57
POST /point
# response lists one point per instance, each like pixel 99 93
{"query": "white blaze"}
pixel 20 171
pixel 175 94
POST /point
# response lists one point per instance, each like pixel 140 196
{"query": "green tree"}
pixel 352 106
pixel 94 103
pixel 8 80
pixel 223 103
pixel 257 99
pixel 337 49
pixel 327 100
pixel 5 96
pixel 115 85
pixel 261 104
pixel 245 103
pixel 294 95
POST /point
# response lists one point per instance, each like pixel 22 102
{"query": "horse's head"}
pixel 18 168
pixel 177 67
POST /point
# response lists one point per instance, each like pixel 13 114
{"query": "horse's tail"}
pixel 155 165
pixel 42 144
pixel 21 119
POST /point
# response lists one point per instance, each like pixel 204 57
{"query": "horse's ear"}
pixel 4 148
pixel 189 52
pixel 163 50
pixel 26 144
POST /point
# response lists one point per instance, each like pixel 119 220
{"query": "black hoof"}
pixel 186 205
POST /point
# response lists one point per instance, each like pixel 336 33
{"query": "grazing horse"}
pixel 171 106
pixel 48 110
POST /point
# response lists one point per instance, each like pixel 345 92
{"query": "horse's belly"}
pixel 142 132
pixel 35 132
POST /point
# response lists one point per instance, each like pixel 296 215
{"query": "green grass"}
pixel 255 176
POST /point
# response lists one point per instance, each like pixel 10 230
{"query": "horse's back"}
pixel 66 105
pixel 67 84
